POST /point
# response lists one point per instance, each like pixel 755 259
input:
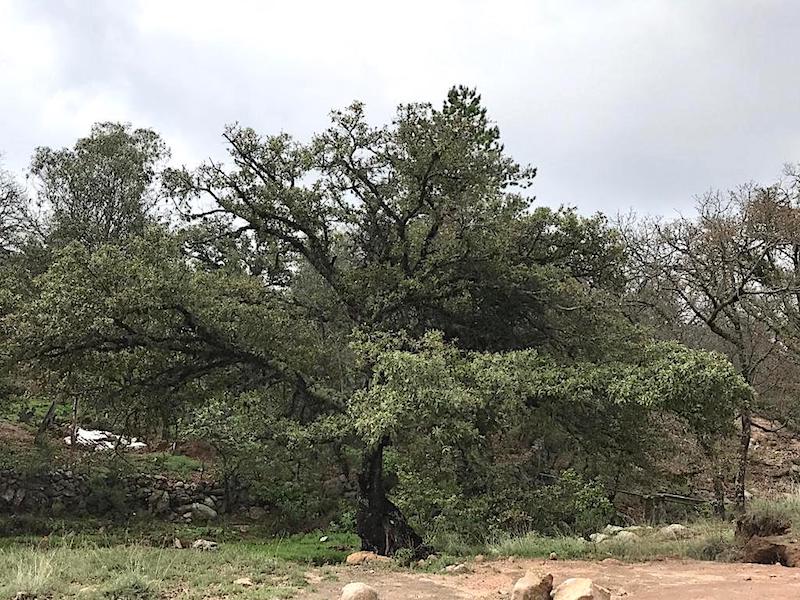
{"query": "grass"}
pixel 78 561
pixel 75 567
pixel 785 507
pixel 711 540
pixel 166 463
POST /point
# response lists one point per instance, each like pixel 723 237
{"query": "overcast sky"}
pixel 620 104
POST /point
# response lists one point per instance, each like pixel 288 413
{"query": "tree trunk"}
pixel 381 526
pixel 718 481
pixel 73 435
pixel 744 450
pixel 47 420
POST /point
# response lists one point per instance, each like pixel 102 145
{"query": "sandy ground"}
pixel 660 580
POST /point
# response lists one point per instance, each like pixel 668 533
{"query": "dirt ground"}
pixel 659 580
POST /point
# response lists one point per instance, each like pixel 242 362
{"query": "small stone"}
pixel 244 581
pixel 177 544
pixel 479 558
pixel 552 556
pixel 359 591
pixel 205 545
pixel 457 569
pixel 323 539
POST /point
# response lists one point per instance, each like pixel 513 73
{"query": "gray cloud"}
pixel 642 103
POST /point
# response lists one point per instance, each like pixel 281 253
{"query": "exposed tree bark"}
pixel 73 434
pixel 381 526
pixel 744 451
pixel 46 421
pixel 718 481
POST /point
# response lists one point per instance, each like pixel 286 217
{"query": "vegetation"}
pixel 384 311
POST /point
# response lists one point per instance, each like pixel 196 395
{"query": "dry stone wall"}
pixel 65 492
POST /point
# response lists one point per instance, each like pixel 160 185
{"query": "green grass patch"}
pixel 308 549
pixel 166 463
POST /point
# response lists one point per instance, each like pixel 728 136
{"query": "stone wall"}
pixel 65 492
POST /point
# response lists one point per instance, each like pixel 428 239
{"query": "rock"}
pixel 359 591
pixel 209 501
pixel 244 581
pixel 580 588
pixel 201 512
pixel 598 537
pixel 457 569
pixel 772 550
pixel 363 556
pixel 532 587
pixel 177 544
pixel 256 513
pixel 626 536
pixel 612 529
pixel 158 502
pixel 552 556
pixel 676 531
pixel 57 508
pixel 323 539
pixel 479 558
pixel 206 545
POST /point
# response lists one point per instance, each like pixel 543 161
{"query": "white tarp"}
pixel 103 440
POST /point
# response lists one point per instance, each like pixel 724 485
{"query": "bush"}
pixel 571 505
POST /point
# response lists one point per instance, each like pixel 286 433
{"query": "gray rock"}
pixel 201 512
pixel 676 531
pixel 158 502
pixel 626 536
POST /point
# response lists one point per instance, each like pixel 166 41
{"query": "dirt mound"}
pixel 11 433
pixel 782 550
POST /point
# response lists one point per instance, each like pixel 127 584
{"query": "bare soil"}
pixel 658 580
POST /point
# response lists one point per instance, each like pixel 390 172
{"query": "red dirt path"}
pixel 659 580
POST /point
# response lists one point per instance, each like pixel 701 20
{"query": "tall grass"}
pixel 35 576
pixel 710 540
pixel 135 572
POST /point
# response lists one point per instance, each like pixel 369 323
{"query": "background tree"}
pixel 101 190
pixel 712 282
